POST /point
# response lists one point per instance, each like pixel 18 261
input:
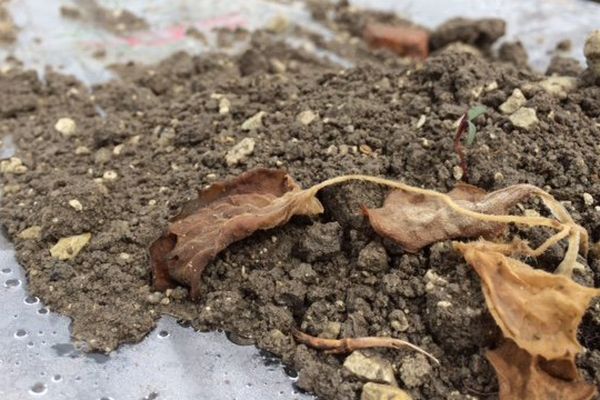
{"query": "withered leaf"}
pixel 522 377
pixel 222 214
pixel 540 311
pixel 415 220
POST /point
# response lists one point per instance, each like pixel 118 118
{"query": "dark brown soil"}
pixel 159 128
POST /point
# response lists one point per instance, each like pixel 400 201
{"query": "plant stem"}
pixel 459 149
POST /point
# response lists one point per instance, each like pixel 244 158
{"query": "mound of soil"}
pixel 144 144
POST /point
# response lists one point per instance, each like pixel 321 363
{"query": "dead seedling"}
pixel 466 125
pixel 537 311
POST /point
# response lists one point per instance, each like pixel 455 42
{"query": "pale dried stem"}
pixel 348 345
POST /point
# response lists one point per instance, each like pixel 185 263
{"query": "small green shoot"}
pixel 466 125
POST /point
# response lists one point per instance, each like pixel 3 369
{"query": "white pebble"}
pixel 588 200
pixel 13 165
pixel 66 127
pixel 82 150
pixel 240 152
pixel 76 204
pixel 457 172
pixel 110 175
pixel 224 106
pixel 306 117
pixel 253 122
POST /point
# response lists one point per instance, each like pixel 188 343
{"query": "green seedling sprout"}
pixel 466 125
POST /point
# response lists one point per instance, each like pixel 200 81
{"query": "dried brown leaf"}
pixel 540 311
pixel 222 214
pixel 415 220
pixel 523 377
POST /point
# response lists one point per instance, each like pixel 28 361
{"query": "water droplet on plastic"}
pixel 30 344
pixel 248 385
pixel 77 378
pixel 20 333
pixel 291 373
pixel 38 389
pixel 6 270
pixel 31 300
pixel 43 311
pixel 163 334
pixel 106 398
pixel 57 378
pixel 12 283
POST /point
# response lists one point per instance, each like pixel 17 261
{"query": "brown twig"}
pixel 348 345
pixel 459 149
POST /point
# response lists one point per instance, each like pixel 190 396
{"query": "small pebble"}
pixel 306 117
pixel 588 200
pixel 13 165
pixel 277 66
pixel 365 149
pixel 31 233
pixel 254 122
pixel 154 298
pixel 514 102
pixel 76 204
pixel 82 150
pixel 457 172
pixel 118 149
pixel 66 127
pixel 524 118
pixel 240 152
pixel 110 175
pixel 224 106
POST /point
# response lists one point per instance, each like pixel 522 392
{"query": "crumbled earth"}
pixel 143 144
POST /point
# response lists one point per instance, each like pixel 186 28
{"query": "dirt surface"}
pixel 145 143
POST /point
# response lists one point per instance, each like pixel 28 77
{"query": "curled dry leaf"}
pixel 415 220
pixel 222 214
pixel 523 377
pixel 538 310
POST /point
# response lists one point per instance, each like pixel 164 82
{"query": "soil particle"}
pixel 481 33
pixel 320 274
pixel 414 370
pixel 592 52
pixel 513 52
pixel 564 66
pixel 373 258
pixel 321 242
